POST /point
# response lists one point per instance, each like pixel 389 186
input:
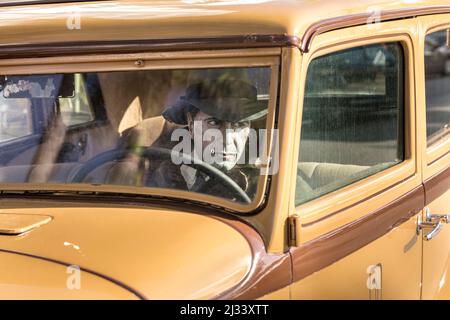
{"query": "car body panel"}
pixel 25 277
pixel 347 278
pixel 333 257
pixel 159 253
pixel 435 160
pixel 436 252
pixel 436 256
pixel 175 19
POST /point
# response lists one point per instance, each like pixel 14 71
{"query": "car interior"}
pixel 113 111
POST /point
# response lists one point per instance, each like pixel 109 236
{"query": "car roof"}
pixel 47 21
pixel 9 3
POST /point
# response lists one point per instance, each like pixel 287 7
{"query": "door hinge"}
pixel 294 231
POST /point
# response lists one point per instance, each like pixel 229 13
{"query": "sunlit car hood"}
pixel 153 252
pixel 27 277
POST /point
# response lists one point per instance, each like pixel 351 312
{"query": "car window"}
pixel 196 130
pixel 352 123
pixel 15 118
pixel 437 84
pixel 76 109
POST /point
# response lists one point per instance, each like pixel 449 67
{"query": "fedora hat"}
pixel 227 100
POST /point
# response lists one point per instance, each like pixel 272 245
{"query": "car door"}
pixel 358 193
pixel 434 115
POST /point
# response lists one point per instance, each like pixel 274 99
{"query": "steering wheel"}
pixel 161 153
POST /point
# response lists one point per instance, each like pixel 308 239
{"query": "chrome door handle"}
pixel 432 221
pixel 439 217
pixel 436 226
pixel 436 229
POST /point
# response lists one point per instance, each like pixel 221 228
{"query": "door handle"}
pixel 436 226
pixel 436 229
pixel 432 221
pixel 439 217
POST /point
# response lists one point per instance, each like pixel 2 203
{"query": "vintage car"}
pixel 220 149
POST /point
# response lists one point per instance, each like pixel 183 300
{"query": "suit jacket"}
pixel 184 177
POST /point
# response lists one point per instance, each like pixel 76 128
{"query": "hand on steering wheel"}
pixel 161 153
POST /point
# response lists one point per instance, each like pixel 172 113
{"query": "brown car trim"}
pixel 335 245
pixel 268 273
pixel 146 45
pixel 437 185
pixel 365 18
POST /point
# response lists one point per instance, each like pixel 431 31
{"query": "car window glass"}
pixel 437 84
pixel 76 109
pixel 352 123
pixel 15 118
pixel 198 130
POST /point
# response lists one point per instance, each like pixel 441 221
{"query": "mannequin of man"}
pixel 227 107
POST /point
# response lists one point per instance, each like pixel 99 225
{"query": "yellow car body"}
pixel 149 248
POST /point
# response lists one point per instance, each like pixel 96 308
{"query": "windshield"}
pixel 198 130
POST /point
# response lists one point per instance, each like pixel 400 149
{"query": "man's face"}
pixel 232 140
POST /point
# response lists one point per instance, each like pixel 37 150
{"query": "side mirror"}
pixel 38 86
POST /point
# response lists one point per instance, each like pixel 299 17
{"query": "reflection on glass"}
pixel 437 86
pixel 76 109
pixel 352 124
pixel 15 119
pixel 137 128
